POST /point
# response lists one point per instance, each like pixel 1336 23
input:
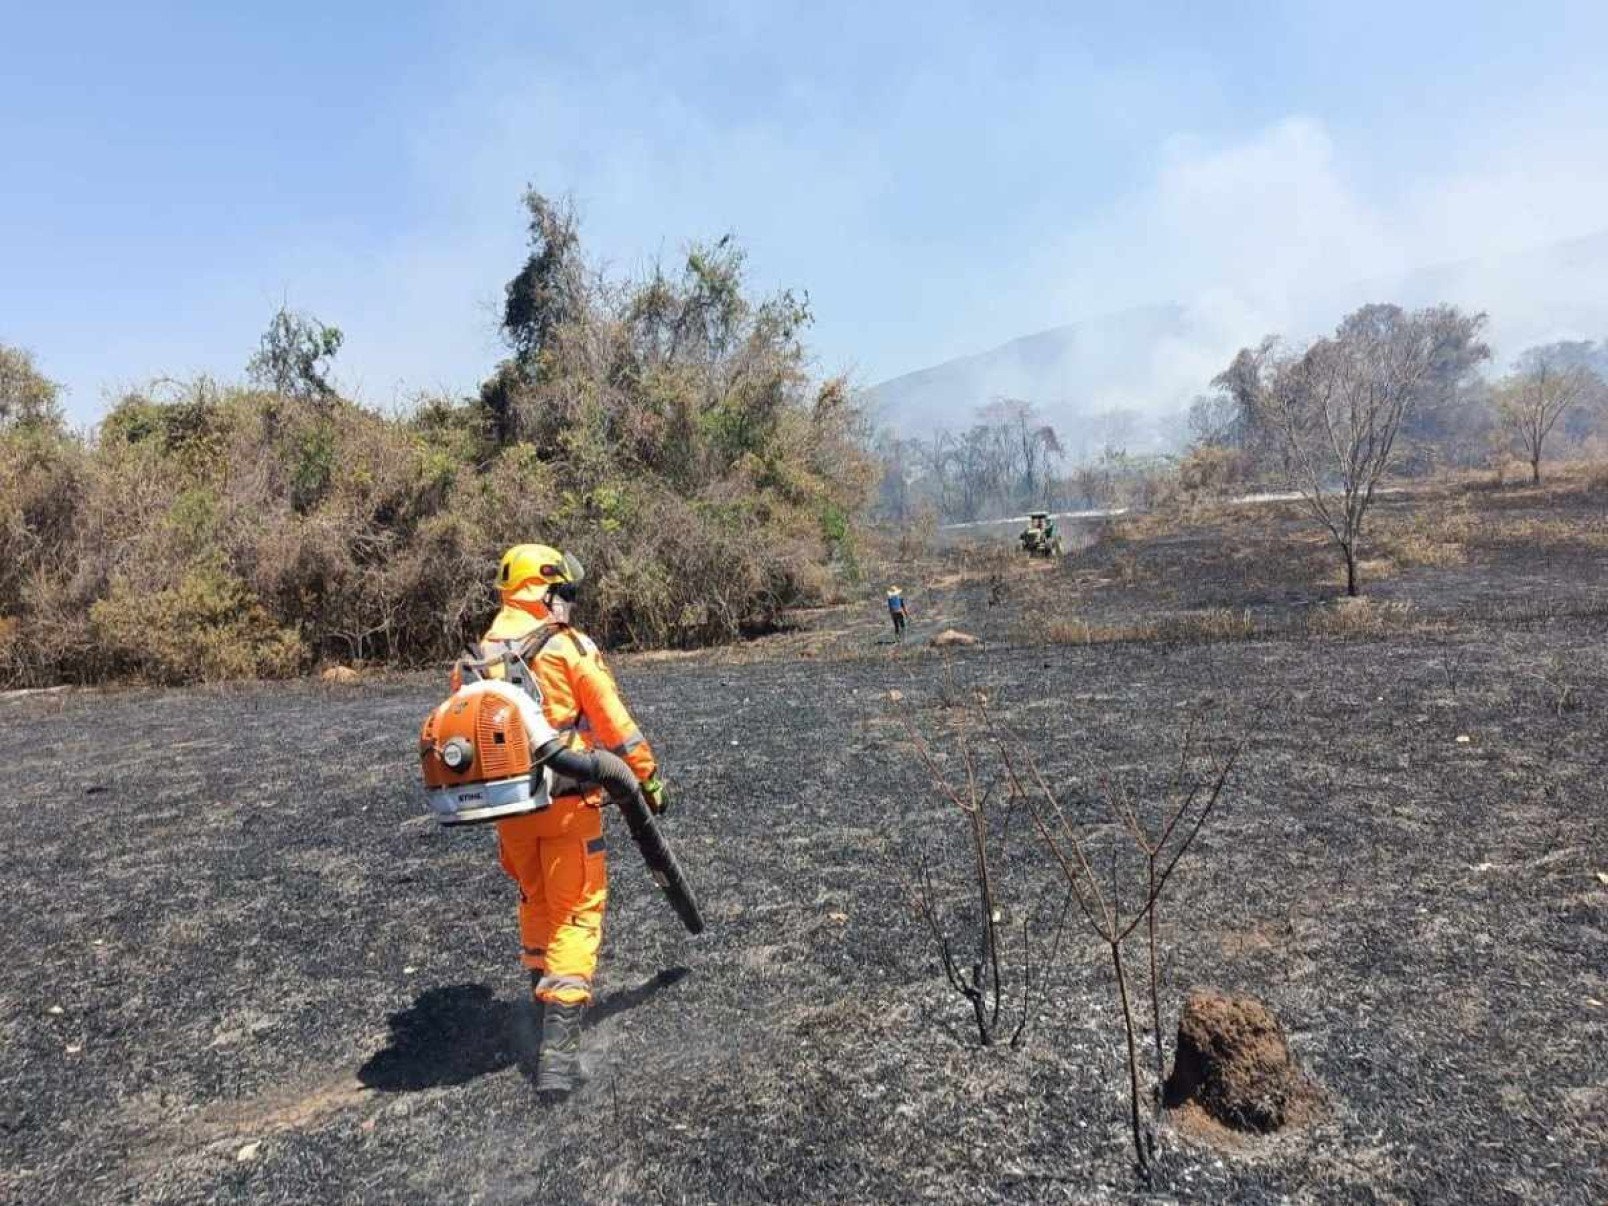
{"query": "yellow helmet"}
pixel 528 570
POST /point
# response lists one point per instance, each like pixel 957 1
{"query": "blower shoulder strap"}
pixel 517 657
pixel 528 648
pixel 514 656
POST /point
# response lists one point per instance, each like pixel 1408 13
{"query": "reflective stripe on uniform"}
pixel 626 746
pixel 554 983
pixel 597 845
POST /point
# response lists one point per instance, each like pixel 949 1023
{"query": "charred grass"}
pixel 238 964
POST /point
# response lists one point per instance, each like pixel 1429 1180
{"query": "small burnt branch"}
pixel 1190 801
pixel 983 983
pixel 1037 972
pixel 990 820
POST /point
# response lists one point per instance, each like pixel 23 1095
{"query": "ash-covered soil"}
pixel 1462 551
pixel 236 963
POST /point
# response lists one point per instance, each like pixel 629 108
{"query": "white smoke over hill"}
pixel 1270 237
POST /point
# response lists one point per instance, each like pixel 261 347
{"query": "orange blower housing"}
pixel 489 752
pixel 481 752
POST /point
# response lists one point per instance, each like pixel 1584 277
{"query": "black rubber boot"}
pixel 558 1066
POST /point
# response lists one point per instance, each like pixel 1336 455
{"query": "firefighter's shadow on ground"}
pixel 459 1032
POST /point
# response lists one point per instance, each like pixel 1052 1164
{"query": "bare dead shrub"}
pixel 1558 686
pixel 918 534
pixel 1096 862
pixel 974 963
pixel 988 562
pixel 1210 472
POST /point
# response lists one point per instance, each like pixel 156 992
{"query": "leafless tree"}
pixel 1029 450
pixel 1095 879
pixel 1092 483
pixel 1007 459
pixel 1213 421
pixel 1114 430
pixel 936 456
pixel 981 984
pixel 988 807
pixel 1538 394
pixel 1054 460
pixel 1339 406
pixel 894 456
pixel 982 467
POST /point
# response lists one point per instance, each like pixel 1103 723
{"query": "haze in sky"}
pixel 940 177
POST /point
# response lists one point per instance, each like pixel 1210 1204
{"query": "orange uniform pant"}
pixel 556 857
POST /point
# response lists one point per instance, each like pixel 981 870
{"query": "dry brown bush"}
pixel 1360 617
pixel 206 628
pixel 1208 472
pixel 205 532
pixel 1434 533
pixel 1213 624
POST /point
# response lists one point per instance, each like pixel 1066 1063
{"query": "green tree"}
pixel 295 357
pixel 550 289
pixel 29 401
pixel 546 297
pixel 696 458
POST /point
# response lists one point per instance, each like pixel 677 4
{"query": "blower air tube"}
pixel 619 781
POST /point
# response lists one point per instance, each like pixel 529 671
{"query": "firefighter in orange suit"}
pixel 556 856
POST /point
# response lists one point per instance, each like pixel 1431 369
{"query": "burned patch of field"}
pixel 222 908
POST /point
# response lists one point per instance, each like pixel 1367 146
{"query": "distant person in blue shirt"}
pixel 896 609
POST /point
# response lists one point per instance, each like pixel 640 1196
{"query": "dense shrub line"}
pixel 666 430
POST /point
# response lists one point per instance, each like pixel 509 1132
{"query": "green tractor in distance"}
pixel 1039 538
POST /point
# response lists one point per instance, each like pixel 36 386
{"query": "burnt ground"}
pixel 236 963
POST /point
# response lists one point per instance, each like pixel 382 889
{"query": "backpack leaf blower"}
pixel 487 753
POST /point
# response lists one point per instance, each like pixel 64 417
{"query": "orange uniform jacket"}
pixel 556 856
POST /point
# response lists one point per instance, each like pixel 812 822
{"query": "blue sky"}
pixel 939 177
